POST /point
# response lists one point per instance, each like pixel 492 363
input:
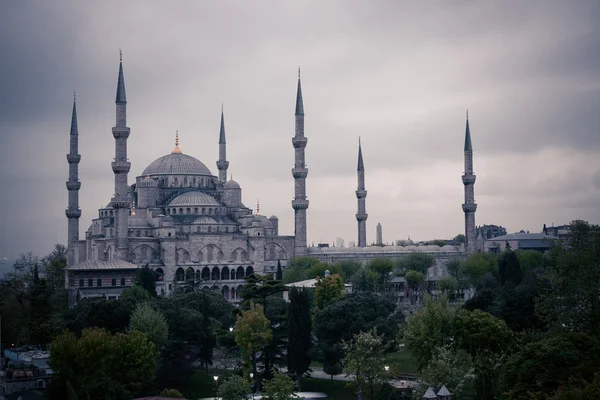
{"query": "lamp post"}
pixel 231 329
pixel 216 378
pixel 252 384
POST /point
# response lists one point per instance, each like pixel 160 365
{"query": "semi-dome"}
pixel 148 182
pixel 194 198
pixel 231 184
pixel 177 164
pixel 137 221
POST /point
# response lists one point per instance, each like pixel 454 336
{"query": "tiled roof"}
pixel 102 265
pixel 523 236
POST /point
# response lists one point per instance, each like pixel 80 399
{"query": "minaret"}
pixel 469 207
pixel 299 172
pixel 73 185
pixel 361 194
pixel 120 166
pixel 222 163
pixel 379 234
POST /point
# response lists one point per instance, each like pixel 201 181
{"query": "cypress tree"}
pixel 279 275
pixel 299 324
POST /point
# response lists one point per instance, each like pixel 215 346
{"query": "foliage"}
pixel 259 288
pixel 294 275
pixel 365 360
pixel 171 393
pixel 151 322
pixel 135 295
pixel 478 331
pixel 452 368
pixel 448 286
pixel 319 270
pixel 509 269
pixel 146 279
pixel 99 365
pixel 234 388
pixel 414 279
pixel 279 273
pixel 540 367
pixel 281 387
pixel 460 238
pixel 348 268
pixel 570 300
pixel 429 328
pixel 474 268
pixel 299 333
pixel 419 262
pixel 529 261
pixel 303 263
pixel 578 389
pixel 452 266
pixel 328 290
pixel 365 280
pixel 383 268
pixel 113 315
pixel 252 334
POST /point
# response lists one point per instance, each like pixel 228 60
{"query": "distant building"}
pixel 27 369
pixel 490 231
pixel 379 235
pixel 519 241
pixel 351 243
pixel 561 231
pixel 339 242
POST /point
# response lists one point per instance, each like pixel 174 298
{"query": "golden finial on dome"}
pixel 133 208
pixel 257 207
pixel 176 150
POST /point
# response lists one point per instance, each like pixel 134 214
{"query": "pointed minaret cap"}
pixel 74 130
pixel 299 103
pixel 176 150
pixel 121 98
pixel 222 130
pixel 468 145
pixel 444 391
pixel 429 394
pixel 361 165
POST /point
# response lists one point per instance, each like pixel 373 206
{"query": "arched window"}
pixel 111 232
pixel 225 274
pixel 215 274
pixel 205 273
pixel 195 210
pixel 185 181
pixel 188 210
pixel 111 213
pixel 201 181
pixel 181 211
pixel 239 273
pixel 203 210
pixel 179 275
pixel 198 275
pixel 160 275
pixel 189 274
pixel 232 274
pixel 209 229
pixel 249 271
pixel 194 182
pixel 138 233
pixel 175 181
pixel 209 251
pixel 144 253
pixel 198 229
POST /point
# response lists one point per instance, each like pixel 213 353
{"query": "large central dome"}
pixel 177 164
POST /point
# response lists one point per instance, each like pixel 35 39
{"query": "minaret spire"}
pixel 73 212
pixel 121 201
pixel 469 206
pixel 222 163
pixel 361 194
pixel 299 172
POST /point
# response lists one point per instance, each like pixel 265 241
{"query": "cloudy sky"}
pixel 398 74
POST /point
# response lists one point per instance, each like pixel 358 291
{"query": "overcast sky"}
pixel 398 74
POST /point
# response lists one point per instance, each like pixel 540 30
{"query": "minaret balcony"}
pixel 222 164
pixel 73 213
pixel 120 202
pixel 469 207
pixel 362 217
pixel 361 194
pixel 468 179
pixel 73 186
pixel 120 132
pixel 73 158
pixel 120 167
pixel 299 142
pixel 300 204
pixel 299 172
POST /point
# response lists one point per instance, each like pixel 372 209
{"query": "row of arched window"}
pixel 214 274
pixel 196 210
pixel 184 182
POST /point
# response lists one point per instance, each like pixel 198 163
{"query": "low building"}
pixel 519 241
pixel 310 284
pixel 27 369
pixel 490 231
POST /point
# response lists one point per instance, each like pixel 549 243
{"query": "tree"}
pixel 365 280
pixel 99 365
pixel 281 387
pixel 448 286
pixel 147 320
pixel 529 261
pixel 478 331
pixel 328 290
pixel 383 268
pixel 348 268
pixel 320 270
pixel 452 266
pixel 299 333
pixel 279 274
pixel 365 360
pixel 171 393
pixel 578 389
pixel 135 295
pixel 476 266
pixel 429 328
pixel 572 282
pixel 414 281
pixel 452 368
pixel 414 262
pixel 259 288
pixel 113 315
pixel 460 238
pixel 234 388
pixel 509 268
pixel 146 278
pixel 252 334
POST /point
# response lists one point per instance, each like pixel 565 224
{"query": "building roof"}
pixel 137 221
pixel 444 391
pixel 177 164
pixel 430 394
pixel 523 236
pixel 231 184
pixel 194 198
pixel 102 265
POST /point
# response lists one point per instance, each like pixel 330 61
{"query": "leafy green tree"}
pixel 303 263
pixel 319 270
pixel 419 262
pixel 452 265
pixel 135 295
pixel 171 394
pixel 328 290
pixel 146 278
pixel 448 286
pixel 365 360
pixel 299 333
pixel 570 300
pixel 281 387
pixel 478 331
pixel 529 261
pixel 259 288
pixel 429 328
pixel 579 389
pixel 348 268
pixel 147 320
pixel 234 388
pixel 291 275
pixel 474 268
pixel 252 334
pixel 71 395
pixel 414 281
pixel 460 238
pixel 113 315
pixel 383 268
pixel 509 269
pixel 365 280
pixel 99 365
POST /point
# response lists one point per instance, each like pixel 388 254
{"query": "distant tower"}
pixel 379 232
pixel 469 207
pixel 222 163
pixel 73 185
pixel 120 166
pixel 361 194
pixel 299 172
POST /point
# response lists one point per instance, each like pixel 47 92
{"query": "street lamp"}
pixel 252 384
pixel 216 378
pixel 231 329
pixel 387 368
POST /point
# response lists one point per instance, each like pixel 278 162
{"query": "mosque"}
pixel 191 227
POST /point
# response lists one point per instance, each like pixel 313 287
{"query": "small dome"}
pixel 194 198
pixel 177 164
pixel 273 218
pixel 148 182
pixel 231 184
pixel 136 221
pixel 204 220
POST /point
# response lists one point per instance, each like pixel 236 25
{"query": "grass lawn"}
pixel 335 390
pixel 200 386
pixel 401 361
